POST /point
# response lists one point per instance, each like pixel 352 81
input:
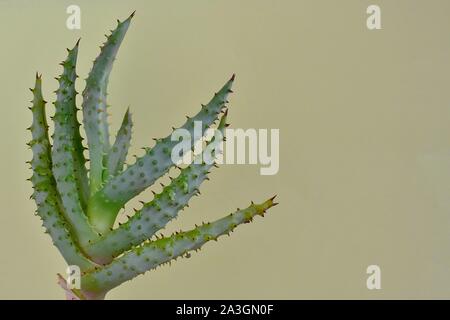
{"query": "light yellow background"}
pixel 364 119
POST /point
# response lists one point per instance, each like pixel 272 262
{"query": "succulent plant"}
pixel 79 207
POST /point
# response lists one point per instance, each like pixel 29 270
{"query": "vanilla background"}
pixel 364 119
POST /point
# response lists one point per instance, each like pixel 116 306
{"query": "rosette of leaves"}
pixel 79 207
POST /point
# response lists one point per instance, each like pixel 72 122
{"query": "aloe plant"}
pixel 79 207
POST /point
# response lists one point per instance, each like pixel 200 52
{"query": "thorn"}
pixel 232 77
pixel 271 199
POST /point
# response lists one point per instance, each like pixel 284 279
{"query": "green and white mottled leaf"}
pixel 118 153
pixel 105 204
pixel 154 253
pixel 95 117
pixel 63 153
pixel 155 214
pixel 44 185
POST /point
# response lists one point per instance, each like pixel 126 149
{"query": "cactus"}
pixel 79 207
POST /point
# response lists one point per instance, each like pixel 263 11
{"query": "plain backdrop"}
pixel 364 119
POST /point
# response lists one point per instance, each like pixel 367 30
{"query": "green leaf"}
pixel 64 150
pixel 105 204
pixel 45 194
pixel 94 105
pixel 118 153
pixel 155 214
pixel 154 253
